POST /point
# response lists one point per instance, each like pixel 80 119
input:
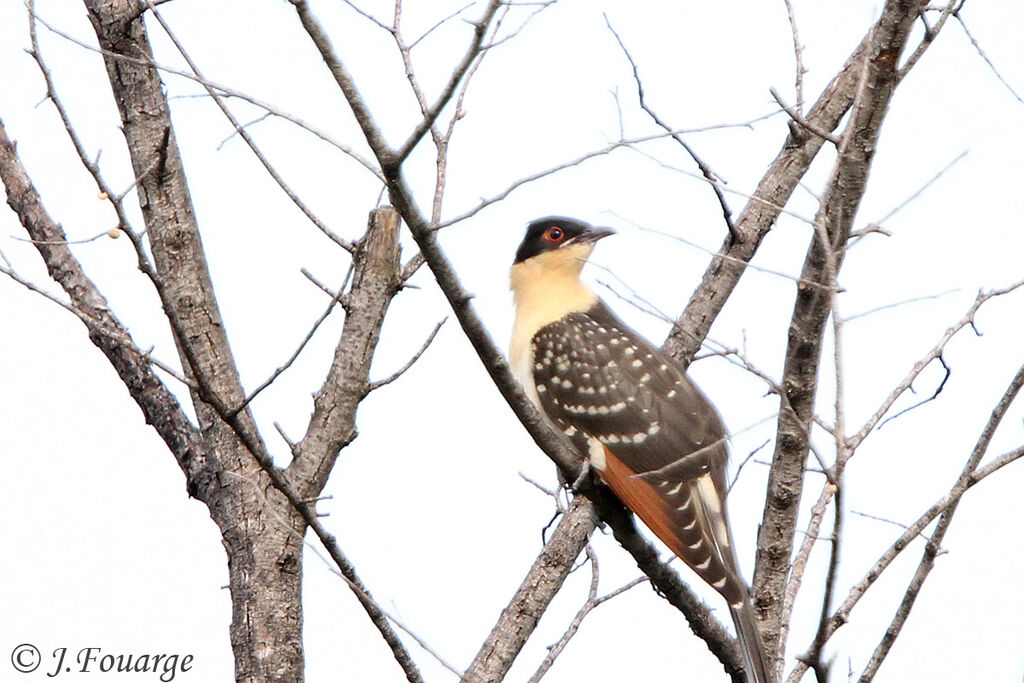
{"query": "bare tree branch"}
pixel 592 602
pixel 272 109
pixel 161 409
pixel 798 119
pixel 408 364
pixel 798 54
pixel 116 201
pixel 773 192
pixel 842 615
pixel 875 84
pixel 713 178
pixel 542 583
pixel 390 160
pixel 375 281
pixel 916 194
pixel 811 536
pixel 977 46
pixel 925 360
pixel 244 134
pixel 457 74
pixel 930 34
pixel 288 363
pixel 931 549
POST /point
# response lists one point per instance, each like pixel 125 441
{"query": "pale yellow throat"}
pixel 545 287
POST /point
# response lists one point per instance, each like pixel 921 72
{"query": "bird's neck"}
pixel 546 288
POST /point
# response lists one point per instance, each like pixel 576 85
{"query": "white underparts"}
pixel 595 449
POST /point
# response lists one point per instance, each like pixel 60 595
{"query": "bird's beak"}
pixel 591 236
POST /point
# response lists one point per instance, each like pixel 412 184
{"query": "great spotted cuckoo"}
pixel 652 436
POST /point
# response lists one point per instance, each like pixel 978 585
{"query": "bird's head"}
pixel 572 239
pixel 550 258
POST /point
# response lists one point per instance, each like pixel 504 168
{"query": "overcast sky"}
pixel 104 548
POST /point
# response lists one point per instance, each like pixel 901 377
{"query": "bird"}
pixel 648 431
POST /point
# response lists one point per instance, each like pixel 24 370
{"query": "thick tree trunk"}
pixel 261 534
pixel 265 579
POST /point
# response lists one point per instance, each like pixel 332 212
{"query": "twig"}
pixel 713 178
pixel 977 46
pixel 539 587
pixel 439 24
pixel 92 166
pixel 540 487
pixel 798 54
pixel 876 225
pixel 930 34
pixel 366 15
pixel 800 562
pixel 743 464
pixel 924 361
pixel 233 133
pixel 935 394
pixel 932 547
pixel 112 233
pixel 285 437
pixel 591 603
pixel 324 288
pixel 302 345
pixel 244 134
pixel 408 364
pixel 901 525
pixel 611 147
pixel 896 304
pixel 224 90
pixel 796 117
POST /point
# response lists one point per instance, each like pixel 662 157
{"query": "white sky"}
pixel 103 547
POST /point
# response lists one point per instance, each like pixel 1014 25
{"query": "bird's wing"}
pixel 663 443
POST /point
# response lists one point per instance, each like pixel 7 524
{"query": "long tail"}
pixel 757 669
pixel 690 518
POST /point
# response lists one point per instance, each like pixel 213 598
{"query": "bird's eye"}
pixel 554 234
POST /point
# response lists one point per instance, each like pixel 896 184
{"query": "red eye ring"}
pixel 554 234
